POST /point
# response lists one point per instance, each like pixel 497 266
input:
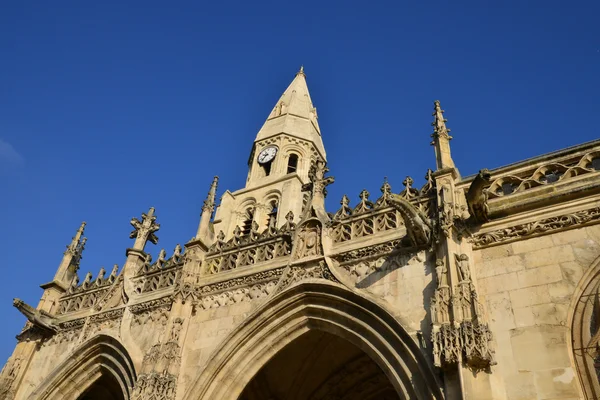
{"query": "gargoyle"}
pixel 38 318
pixel 477 196
pixel 418 226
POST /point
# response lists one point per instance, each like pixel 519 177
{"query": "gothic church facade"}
pixel 480 287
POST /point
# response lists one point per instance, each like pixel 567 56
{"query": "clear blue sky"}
pixel 108 108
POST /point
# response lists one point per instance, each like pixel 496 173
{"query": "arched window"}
pixel 247 225
pixel 292 163
pixel 585 331
pixel 272 221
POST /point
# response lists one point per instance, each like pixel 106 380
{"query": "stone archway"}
pixel 297 313
pixel 100 369
pixel 320 366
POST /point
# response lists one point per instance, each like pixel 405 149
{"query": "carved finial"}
pixel 87 281
pixel 409 192
pixel 237 231
pixel 113 274
pixel 345 210
pixel 386 188
pixel 439 122
pixel 221 236
pixel 301 72
pixel 364 204
pixel 177 253
pixel 162 255
pixel 209 203
pixel 144 230
pixel 429 184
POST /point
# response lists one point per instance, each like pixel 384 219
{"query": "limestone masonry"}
pixel 480 287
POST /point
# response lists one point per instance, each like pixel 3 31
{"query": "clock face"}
pixel 267 154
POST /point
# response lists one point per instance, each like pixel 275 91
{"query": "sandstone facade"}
pixel 481 287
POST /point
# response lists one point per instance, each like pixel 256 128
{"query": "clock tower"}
pixel 283 151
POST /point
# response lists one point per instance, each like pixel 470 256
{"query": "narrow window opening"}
pixel 267 168
pixel 247 226
pixel 273 214
pixel 292 163
pixel 507 188
pixel 552 176
pixel 596 164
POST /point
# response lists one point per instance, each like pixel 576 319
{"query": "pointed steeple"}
pixel 207 211
pixel 441 138
pixel 72 257
pixel 294 114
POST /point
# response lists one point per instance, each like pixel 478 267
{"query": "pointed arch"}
pixel 101 356
pixel 327 307
pixel 584 335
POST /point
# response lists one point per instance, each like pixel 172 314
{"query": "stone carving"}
pixel 439 123
pixel 370 251
pixel 40 319
pixel 409 192
pixel 160 368
pixel 446 345
pixel 69 331
pixel 364 205
pixel 536 228
pixel 477 197
pixel 317 191
pixel 7 376
pixel 151 311
pixel 462 261
pixel 240 252
pixel 308 240
pixel 441 273
pixel 108 320
pixel 361 269
pixel 418 226
pixel 144 230
pixel 298 273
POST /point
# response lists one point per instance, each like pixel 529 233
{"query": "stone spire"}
pixel 71 258
pixel 294 114
pixel 207 211
pixel 441 138
pixel 209 203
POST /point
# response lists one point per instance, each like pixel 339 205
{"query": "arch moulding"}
pixel 100 355
pixel 320 306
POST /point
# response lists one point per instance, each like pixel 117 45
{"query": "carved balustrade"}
pixel 242 251
pixel 160 275
pixel 556 170
pixel 87 294
pixel 369 218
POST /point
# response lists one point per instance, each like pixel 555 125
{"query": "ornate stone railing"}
pixel 254 248
pixel 369 218
pixel 158 277
pixel 558 169
pixel 86 295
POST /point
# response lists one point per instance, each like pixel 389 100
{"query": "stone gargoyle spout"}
pixel 38 318
pixel 477 196
pixel 418 226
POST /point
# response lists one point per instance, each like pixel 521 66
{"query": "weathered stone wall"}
pixel 527 287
